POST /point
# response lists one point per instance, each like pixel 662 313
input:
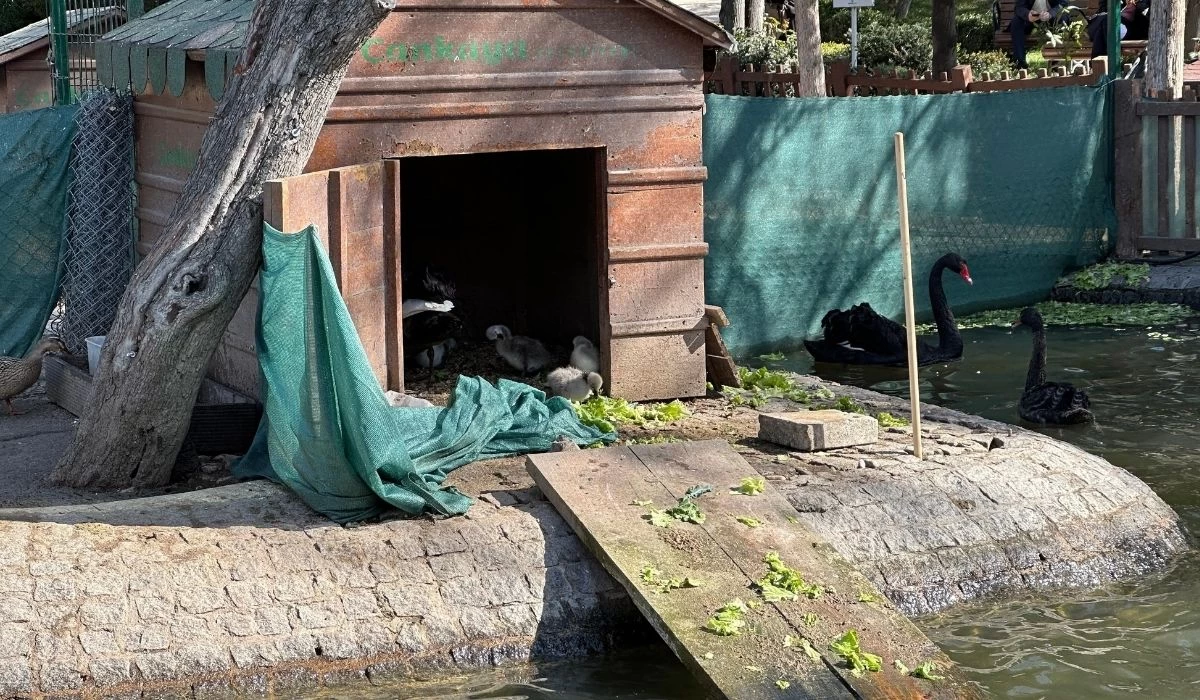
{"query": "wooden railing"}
pixel 1155 142
pixel 840 81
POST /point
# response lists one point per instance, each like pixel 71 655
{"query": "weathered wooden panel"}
pixel 563 37
pixel 645 291
pixel 28 84
pixel 469 77
pixel 346 205
pixel 596 491
pixel 658 215
pixel 633 140
pixel 653 367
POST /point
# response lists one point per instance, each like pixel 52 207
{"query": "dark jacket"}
pixel 1022 7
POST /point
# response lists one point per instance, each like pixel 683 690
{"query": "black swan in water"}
pixel 860 336
pixel 1048 402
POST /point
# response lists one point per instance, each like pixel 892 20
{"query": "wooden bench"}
pixel 1002 14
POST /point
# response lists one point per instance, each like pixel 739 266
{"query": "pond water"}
pixel 649 673
pixel 1127 640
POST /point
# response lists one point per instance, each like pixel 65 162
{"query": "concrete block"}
pixel 809 431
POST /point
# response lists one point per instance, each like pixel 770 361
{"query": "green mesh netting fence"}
pixel 328 432
pixel 35 150
pixel 801 210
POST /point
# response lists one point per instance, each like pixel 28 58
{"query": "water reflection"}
pixel 650 673
pixel 1137 639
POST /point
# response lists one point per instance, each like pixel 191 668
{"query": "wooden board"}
pixel 594 490
pixel 722 370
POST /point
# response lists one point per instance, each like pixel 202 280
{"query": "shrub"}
pixel 974 32
pixel 772 49
pixel 901 45
pixel 832 52
pixel 835 24
pixel 994 62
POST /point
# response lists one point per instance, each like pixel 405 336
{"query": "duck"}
pixel 19 373
pixel 526 355
pixel 1048 403
pixel 585 357
pixel 573 383
pixel 861 336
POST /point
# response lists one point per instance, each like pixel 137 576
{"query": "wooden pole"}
pixel 910 323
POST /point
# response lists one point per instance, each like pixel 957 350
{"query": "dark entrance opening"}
pixel 520 234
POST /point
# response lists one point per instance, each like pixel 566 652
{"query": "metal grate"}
pixel 75 27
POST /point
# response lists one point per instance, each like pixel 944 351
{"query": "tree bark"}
pixel 756 11
pixel 1164 51
pixel 182 296
pixel 809 66
pixel 902 8
pixel 945 36
pixel 733 14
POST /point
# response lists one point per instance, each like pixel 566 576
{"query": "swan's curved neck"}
pixel 948 337
pixel 1037 363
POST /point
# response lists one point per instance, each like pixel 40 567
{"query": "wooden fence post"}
pixel 960 79
pixel 725 74
pixel 1099 68
pixel 1127 165
pixel 838 72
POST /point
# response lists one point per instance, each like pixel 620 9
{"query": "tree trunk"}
pixel 809 66
pixel 1164 51
pixel 945 36
pixel 184 293
pixel 902 8
pixel 733 14
pixel 1191 25
pixel 756 11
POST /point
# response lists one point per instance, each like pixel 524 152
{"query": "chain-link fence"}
pixel 801 205
pixel 99 255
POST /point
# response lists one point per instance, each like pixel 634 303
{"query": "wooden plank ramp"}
pixel 596 491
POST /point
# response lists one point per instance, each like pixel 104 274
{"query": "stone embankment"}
pixel 242 588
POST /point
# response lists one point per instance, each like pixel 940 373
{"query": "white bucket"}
pixel 94 345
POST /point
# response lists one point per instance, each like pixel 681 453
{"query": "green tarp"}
pixel 801 212
pixel 328 431
pixel 35 152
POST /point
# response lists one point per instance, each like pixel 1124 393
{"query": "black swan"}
pixel 1048 402
pixel 430 330
pixel 860 336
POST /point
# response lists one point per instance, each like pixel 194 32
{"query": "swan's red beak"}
pixel 1016 323
pixel 965 274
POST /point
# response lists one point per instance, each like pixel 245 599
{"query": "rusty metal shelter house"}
pixel 546 152
pixel 26 77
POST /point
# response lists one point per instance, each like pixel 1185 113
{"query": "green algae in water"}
pixel 1101 275
pixel 1063 313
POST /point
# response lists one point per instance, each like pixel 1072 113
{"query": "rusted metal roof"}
pixel 34 36
pixel 154 48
